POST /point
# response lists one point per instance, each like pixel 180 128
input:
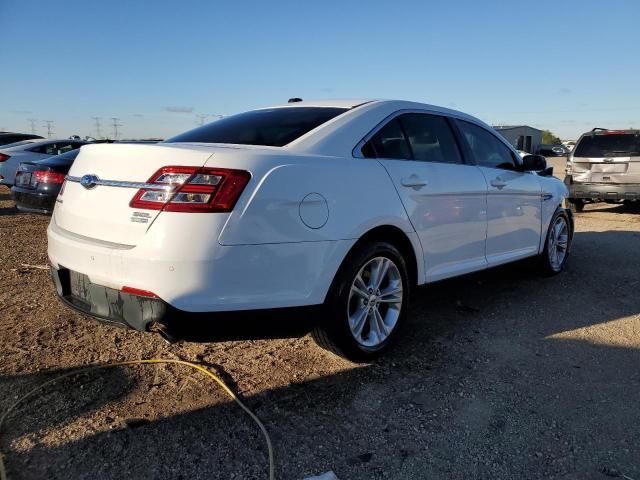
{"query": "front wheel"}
pixel 366 305
pixel 557 243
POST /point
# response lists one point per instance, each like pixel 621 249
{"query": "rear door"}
pixel 444 198
pixel 514 199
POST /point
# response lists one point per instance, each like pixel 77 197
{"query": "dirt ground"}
pixel 504 374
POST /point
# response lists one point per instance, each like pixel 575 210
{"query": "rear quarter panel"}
pixel 358 193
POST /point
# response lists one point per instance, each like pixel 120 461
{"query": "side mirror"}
pixel 534 163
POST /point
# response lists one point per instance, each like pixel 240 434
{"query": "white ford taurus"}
pixel 340 206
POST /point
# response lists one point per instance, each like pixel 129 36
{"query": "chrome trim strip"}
pixel 122 184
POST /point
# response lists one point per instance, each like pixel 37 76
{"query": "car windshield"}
pixel 273 127
pixel 608 145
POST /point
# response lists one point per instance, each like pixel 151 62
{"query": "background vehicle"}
pixel 337 206
pixel 10 158
pixel 37 183
pixel 604 166
pixel 552 150
pixel 10 137
pixel 21 142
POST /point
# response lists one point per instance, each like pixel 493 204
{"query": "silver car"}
pixel 604 166
pixel 11 158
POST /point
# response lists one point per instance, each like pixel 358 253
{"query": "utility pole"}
pixel 98 132
pixel 115 126
pixel 49 125
pixel 33 121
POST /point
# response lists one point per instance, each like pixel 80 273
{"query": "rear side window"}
pixel 487 149
pixel 608 145
pixel 388 142
pixel 430 138
pixel 274 127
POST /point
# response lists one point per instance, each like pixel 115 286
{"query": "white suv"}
pixel 342 207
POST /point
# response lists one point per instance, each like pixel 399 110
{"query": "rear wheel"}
pixel 366 305
pixel 557 244
pixel 576 204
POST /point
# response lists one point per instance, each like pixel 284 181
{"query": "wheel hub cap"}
pixel 375 302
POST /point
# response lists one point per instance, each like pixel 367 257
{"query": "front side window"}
pixel 487 149
pixel 274 127
pixel 430 138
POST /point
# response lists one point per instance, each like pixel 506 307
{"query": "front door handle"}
pixel 413 181
pixel 498 183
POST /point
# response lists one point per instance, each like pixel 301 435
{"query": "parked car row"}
pixel 335 207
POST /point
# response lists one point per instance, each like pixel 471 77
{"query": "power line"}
pixel 33 121
pixel 49 125
pixel 98 132
pixel 115 126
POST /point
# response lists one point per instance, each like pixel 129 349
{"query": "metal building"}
pixel 522 137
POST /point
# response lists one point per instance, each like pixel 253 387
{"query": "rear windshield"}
pixel 274 127
pixel 62 159
pixel 609 145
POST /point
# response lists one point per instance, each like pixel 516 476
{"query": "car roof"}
pixel 335 103
pixel 46 141
pixel 332 139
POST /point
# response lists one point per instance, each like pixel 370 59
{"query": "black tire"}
pixel 576 204
pixel 332 332
pixel 549 267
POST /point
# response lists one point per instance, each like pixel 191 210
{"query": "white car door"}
pixel 444 198
pixel 514 199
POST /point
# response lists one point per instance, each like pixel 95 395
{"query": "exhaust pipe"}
pixel 165 333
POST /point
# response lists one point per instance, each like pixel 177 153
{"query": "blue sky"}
pixel 564 65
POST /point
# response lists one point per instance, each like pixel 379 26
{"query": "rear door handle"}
pixel 413 181
pixel 498 183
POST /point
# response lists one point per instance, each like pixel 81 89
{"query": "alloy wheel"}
pixel 558 243
pixel 375 302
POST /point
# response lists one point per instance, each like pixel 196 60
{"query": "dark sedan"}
pixel 553 150
pixel 37 183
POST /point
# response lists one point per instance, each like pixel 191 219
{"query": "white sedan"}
pixel 339 207
pixel 11 156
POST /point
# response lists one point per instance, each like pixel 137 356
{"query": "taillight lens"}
pixel 48 177
pixel 4 157
pixel 192 189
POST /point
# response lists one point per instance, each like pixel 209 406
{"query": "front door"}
pixel 514 199
pixel 444 198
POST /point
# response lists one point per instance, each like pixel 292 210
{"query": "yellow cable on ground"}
pixel 228 391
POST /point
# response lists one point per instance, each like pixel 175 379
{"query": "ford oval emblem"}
pixel 89 181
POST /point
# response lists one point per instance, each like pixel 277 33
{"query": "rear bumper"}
pixel 31 201
pixel 194 273
pixel 121 309
pixel 603 191
pixel 107 304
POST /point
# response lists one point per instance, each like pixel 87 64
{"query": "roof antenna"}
pixel 294 100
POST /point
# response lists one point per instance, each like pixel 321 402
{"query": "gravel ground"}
pixel 500 375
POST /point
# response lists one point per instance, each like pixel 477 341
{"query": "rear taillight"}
pixel 192 189
pixel 4 157
pixel 48 177
pixel 138 292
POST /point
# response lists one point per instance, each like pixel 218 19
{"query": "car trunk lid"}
pixel 102 211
